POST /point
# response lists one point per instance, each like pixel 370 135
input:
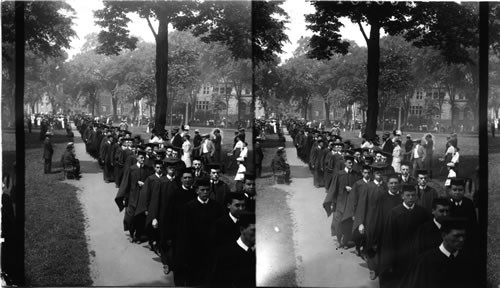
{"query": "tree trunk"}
pixel 372 65
pixel 327 112
pixel 161 74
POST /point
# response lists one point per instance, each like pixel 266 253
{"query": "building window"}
pixel 247 91
pixel 216 90
pixel 206 90
pixel 416 110
pixel 202 105
pixel 419 95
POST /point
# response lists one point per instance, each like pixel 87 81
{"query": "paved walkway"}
pixel 319 263
pixel 115 261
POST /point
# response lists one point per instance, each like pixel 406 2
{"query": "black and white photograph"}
pixel 250 143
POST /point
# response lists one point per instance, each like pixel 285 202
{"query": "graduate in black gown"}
pixel 463 207
pixel 235 262
pixel 128 197
pixel 398 238
pixel 218 188
pixel 429 235
pixel 449 265
pixel 336 201
pixel 226 228
pixel 197 218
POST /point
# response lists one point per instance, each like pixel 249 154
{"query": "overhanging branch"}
pixel 151 27
pixel 363 31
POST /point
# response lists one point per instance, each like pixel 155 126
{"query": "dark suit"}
pixel 48 151
pixel 218 191
pixel 218 148
pixel 425 197
pixel 408 180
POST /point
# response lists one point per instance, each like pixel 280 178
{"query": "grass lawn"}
pixel 493 252
pixel 55 244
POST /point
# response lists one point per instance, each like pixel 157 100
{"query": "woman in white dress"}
pixel 187 149
pixel 396 156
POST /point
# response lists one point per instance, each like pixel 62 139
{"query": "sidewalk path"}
pixel 319 263
pixel 115 261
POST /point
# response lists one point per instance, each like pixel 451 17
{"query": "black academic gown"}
pixel 428 237
pixel 224 231
pixel 130 192
pixel 336 199
pixel 319 174
pixel 433 269
pixel 193 258
pixel 233 267
pixel 398 242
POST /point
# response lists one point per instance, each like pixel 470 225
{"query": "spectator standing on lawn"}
pixel 217 140
pixel 48 151
pixel 429 151
pixel 396 156
pixel 418 156
pixel 259 156
pixel 408 147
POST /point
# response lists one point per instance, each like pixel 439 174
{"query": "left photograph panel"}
pixel 138 120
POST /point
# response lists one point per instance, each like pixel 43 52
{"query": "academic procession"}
pixel 404 209
pixel 172 195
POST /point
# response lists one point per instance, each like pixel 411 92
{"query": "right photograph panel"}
pixel 367 146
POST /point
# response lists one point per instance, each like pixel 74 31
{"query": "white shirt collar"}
pixel 169 177
pixel 158 175
pixel 376 182
pixel 455 202
pixel 184 187
pixel 366 181
pixel 390 193
pixel 243 245
pixel 346 170
pixel 408 207
pixel 138 165
pixel 201 201
pixel 437 223
pixel 446 252
pixel 232 217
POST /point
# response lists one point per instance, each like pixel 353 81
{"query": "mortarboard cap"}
pixel 204 181
pixel 422 172
pixel 348 157
pixel 457 181
pixel 408 187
